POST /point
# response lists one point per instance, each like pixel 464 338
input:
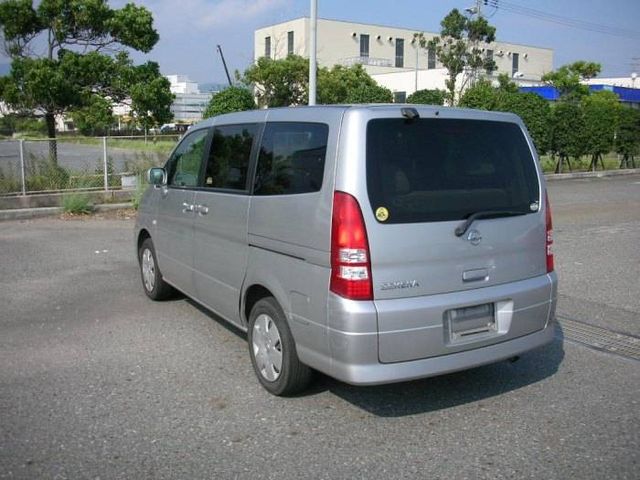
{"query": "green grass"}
pixel 153 144
pixel 611 162
pixel 77 204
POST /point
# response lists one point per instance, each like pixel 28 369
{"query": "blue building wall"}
pixel 626 95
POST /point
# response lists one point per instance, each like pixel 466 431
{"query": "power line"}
pixel 561 20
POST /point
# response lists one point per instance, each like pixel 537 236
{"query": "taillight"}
pixel 549 236
pixel 350 260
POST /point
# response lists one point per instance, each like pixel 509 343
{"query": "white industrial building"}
pixel 390 54
pixel 190 103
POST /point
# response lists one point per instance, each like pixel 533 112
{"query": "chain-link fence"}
pixel 86 163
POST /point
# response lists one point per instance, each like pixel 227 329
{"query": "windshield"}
pixel 430 170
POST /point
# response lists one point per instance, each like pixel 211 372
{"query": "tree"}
pixel 628 136
pixel 601 111
pixel 566 80
pixel 350 85
pixel 428 97
pixel 279 83
pixel 482 96
pixel 74 71
pixel 231 99
pixel 95 116
pixel 534 111
pixel 567 137
pixel 458 48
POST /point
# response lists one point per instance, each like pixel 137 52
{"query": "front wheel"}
pixel 273 350
pixel 154 285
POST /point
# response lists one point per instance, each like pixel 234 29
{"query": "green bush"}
pixel 76 203
pixel 141 187
pixel 428 97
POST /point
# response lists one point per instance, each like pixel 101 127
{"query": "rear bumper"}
pixel 354 339
pixel 380 373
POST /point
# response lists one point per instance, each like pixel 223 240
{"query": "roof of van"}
pixel 262 115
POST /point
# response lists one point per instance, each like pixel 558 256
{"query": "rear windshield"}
pixel 430 170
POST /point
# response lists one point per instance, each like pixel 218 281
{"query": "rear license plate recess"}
pixel 470 322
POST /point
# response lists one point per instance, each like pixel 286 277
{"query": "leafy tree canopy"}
pixel 628 138
pixel 567 78
pixel 77 67
pixel 428 97
pixel 458 48
pixel 350 85
pixel 279 83
pixel 231 99
pixel 601 114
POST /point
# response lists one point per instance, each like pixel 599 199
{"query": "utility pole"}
pixel 313 28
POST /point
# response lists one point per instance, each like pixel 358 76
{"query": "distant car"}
pixel 168 128
pixel 375 244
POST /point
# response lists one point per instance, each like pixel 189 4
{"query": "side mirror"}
pixel 157 176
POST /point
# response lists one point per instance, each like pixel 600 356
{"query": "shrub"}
pixel 428 97
pixel 76 203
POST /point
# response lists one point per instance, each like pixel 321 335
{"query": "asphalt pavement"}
pixel 97 381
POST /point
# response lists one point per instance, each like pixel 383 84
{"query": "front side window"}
pixel 228 163
pixel 183 168
pixel 291 158
pixel 432 170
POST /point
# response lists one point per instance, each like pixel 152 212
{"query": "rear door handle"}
pixel 187 207
pixel 202 209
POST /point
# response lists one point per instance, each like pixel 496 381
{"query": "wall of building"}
pixel 339 44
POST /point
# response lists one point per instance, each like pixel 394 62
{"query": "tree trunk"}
pixel 51 133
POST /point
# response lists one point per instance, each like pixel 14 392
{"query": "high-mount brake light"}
pixel 350 259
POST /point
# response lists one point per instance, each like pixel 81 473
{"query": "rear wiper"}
pixel 461 229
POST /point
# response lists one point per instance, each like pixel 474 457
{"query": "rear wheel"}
pixel 154 285
pixel 273 350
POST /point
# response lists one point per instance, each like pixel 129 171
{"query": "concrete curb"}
pixel 28 213
pixel 599 174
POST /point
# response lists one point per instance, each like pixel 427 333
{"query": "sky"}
pixel 190 29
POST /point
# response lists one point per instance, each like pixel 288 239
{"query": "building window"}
pixel 289 43
pixel 400 52
pixel 364 46
pixel 399 97
pixel 431 59
pixel 267 47
pixel 515 61
pixel 489 57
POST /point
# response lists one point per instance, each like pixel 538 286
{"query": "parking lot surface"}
pixel 97 381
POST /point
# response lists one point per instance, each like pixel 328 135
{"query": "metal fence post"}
pixel 22 176
pixel 105 164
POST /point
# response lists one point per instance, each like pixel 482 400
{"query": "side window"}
pixel 228 163
pixel 291 158
pixel 184 164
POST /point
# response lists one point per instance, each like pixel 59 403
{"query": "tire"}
pixel 152 282
pixel 273 350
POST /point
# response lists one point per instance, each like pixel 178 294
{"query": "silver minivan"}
pixel 374 243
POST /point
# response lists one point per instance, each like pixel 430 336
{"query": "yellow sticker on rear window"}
pixel 382 214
